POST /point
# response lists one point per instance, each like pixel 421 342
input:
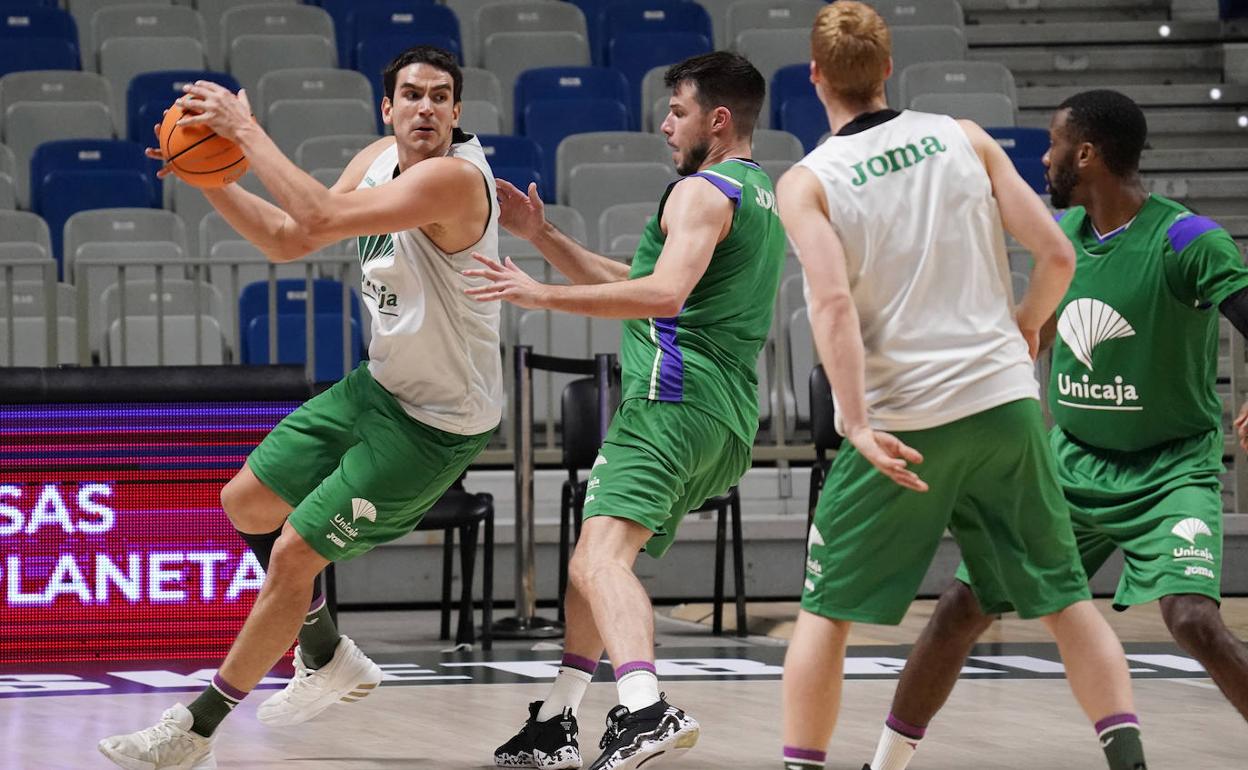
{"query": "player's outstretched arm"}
pixel 696 217
pixel 834 322
pixel 1026 218
pixel 524 216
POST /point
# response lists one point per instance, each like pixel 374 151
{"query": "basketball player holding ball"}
pixel 359 464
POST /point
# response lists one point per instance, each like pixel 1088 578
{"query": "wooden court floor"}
pixel 1007 723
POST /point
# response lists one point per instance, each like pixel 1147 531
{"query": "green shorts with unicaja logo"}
pixel 356 468
pixel 1162 506
pixel 992 483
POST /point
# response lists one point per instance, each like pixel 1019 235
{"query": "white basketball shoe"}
pixel 169 744
pixel 349 677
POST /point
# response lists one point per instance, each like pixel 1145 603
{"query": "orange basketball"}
pixel 197 155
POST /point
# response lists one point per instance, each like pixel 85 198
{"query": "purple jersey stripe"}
pixel 1188 229
pixel 727 188
pixel 672 368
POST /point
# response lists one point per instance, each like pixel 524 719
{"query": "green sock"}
pixel 1122 746
pixel 319 636
pixel 213 705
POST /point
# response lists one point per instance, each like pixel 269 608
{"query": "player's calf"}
pixel 1196 624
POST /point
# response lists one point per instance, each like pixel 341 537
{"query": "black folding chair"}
pixel 581 440
pixel 465 513
pixel 823 427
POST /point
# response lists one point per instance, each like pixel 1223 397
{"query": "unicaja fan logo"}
pixel 362 509
pixel 1086 323
pixel 1188 529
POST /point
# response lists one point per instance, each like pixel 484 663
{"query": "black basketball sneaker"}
pixel 550 745
pixel 647 737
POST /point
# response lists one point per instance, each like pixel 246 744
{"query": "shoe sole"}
pixel 130 763
pixel 670 748
pixel 572 763
pixel 358 692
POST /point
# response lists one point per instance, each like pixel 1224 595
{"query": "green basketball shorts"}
pixel 992 483
pixel 356 468
pixel 659 461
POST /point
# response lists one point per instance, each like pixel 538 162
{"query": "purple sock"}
pixel 1116 720
pixel 798 757
pixel 901 727
pixel 579 663
pixel 631 666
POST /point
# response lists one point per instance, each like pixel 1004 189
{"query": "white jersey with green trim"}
pixel 435 349
pixel 912 204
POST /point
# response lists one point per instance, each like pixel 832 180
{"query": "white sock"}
pixel 894 751
pixel 566 693
pixel 638 689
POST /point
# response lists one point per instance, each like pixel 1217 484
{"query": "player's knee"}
pixel 958 613
pixel 243 500
pixel 293 563
pixel 234 503
pixel 580 569
pixel 1193 621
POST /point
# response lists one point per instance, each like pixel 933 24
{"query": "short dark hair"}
pixel 438 58
pixel 723 79
pixel 1111 122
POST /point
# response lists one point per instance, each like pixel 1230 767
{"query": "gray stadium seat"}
pixel 84 10
pixel 775 168
pixel 608 147
pixel 311 84
pixel 97 265
pixel 252 56
pixel 53 86
pixel 718 11
pixel 961 77
pixel 478 116
pixel 273 19
pixel 622 220
pixel 122 226
pixel 213 11
pixel 507 54
pixel 8 163
pixel 993 110
pixel 25 227
pixel 29 124
pixel 335 150
pixel 8 193
pixel 921 44
pixel 143 342
pixel 771 49
pixel 27 261
pixel 745 15
pixel 234 264
pixel 142 21
pixel 653 94
pixel 483 85
pixel 524 16
pixel 121 58
pixel 291 121
pixel 27 301
pixel 568 220
pixel 802 361
pixel 553 333
pixel 190 204
pixel 592 187
pixel 773 144
pixel 900 13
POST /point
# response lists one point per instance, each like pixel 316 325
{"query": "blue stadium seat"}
pixel 568 83
pixel 550 121
pixel 36 37
pixel 594 11
pixel 80 174
pixel 374 53
pixel 415 20
pixel 343 14
pixel 151 93
pixel 10 5
pixel 291 302
pixel 640 16
pixel 795 107
pixel 518 159
pixel 37 54
pixel 1026 147
pixel 636 53
pixel 1233 9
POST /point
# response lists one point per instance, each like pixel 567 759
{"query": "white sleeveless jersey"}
pixel 435 349
pixel 912 204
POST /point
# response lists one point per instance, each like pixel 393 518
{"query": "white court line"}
pixel 1195 683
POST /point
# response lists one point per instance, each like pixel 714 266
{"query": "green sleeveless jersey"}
pixel 1136 355
pixel 706 355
